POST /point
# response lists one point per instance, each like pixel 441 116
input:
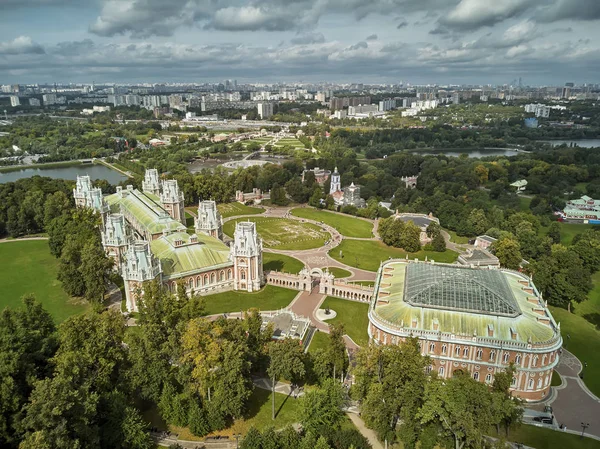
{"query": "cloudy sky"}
pixel 417 41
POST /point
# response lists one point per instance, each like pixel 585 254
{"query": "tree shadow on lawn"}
pixel 258 399
pixel 593 318
pixel 273 265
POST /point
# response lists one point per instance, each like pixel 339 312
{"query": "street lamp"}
pixel 583 427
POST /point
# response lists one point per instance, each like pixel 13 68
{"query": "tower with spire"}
pixel 336 185
pixel 246 253
pixel 209 220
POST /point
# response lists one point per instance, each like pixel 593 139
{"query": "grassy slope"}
pixel 28 267
pixel 454 238
pixel 353 315
pixel 345 224
pixel 550 439
pixel 354 251
pixel 281 262
pixel 289 234
pixel 269 298
pixel 233 209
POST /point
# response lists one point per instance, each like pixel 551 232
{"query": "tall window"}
pixel 514 382
pixel 457 351
pixel 441 371
pixel 432 347
pixel 466 352
pixel 534 362
pixel 479 354
pixel 488 378
pixel 530 384
pixel 476 375
pixel 444 349
pixel 506 356
pixel 518 359
pixel 492 355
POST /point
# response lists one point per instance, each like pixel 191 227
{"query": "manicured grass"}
pixel 339 272
pixel 269 298
pixel 458 239
pixel 368 254
pixel 590 308
pixel 281 262
pixel 189 220
pixel 568 231
pixel 345 224
pixel 556 380
pixel 542 438
pixel 28 267
pixel 353 315
pixel 524 203
pixel 282 233
pixel 320 340
pixel 233 209
pixel 584 343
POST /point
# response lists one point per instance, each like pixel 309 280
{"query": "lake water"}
pixel 583 143
pixel 472 153
pixel 95 171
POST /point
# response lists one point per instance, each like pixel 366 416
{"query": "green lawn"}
pixel 568 231
pixel 189 220
pixel 28 267
pixel 542 438
pixel 233 209
pixel 524 203
pixel 556 379
pixel 281 262
pixel 339 272
pixel 269 298
pixel 320 340
pixel 282 233
pixel 458 239
pixel 353 315
pixel 368 254
pixel 345 224
pixel 258 414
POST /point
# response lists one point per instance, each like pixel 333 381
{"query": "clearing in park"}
pixel 284 234
pixel 368 254
pixel 353 315
pixel 345 224
pixel 30 268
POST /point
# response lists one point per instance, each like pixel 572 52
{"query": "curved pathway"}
pixel 572 402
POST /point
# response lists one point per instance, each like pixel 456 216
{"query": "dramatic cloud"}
pixel 19 46
pixel 473 14
pixel 571 9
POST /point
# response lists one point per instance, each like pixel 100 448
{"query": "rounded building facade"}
pixel 471 319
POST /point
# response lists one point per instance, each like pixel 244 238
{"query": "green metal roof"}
pixel 178 255
pixel 391 305
pixel 146 209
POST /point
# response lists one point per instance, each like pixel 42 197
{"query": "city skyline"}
pixel 385 41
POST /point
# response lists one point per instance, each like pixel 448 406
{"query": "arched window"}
pixel 479 354
pixel 518 359
pixel 492 355
pixel 243 275
pixel 229 274
pixel 198 282
pixel 191 284
pixel 444 349
pixel 466 352
pixel 476 375
pixel 441 371
pixel 506 356
pixel 488 378
pixel 547 380
pixel 206 279
pixel 514 382
pixel 431 347
pixel 213 278
pixel 544 359
pixel 457 351
pixel 539 385
pixel 428 369
pixel 530 385
pixel 221 276
pixel 535 360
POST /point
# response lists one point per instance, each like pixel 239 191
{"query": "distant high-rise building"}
pixel 566 91
pixel 34 102
pixel 14 101
pixel 265 110
pixel 49 99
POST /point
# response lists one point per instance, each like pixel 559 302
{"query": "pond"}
pixel 199 164
pixel 95 171
pixel 471 153
pixel 583 143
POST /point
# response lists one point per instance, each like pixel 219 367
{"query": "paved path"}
pixel 366 432
pixel 23 239
pixel 573 402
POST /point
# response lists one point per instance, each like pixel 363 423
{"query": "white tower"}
pixel 87 196
pixel 139 266
pixel 246 253
pixel 150 184
pixel 336 184
pixel 116 237
pixel 172 200
pixel 209 220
